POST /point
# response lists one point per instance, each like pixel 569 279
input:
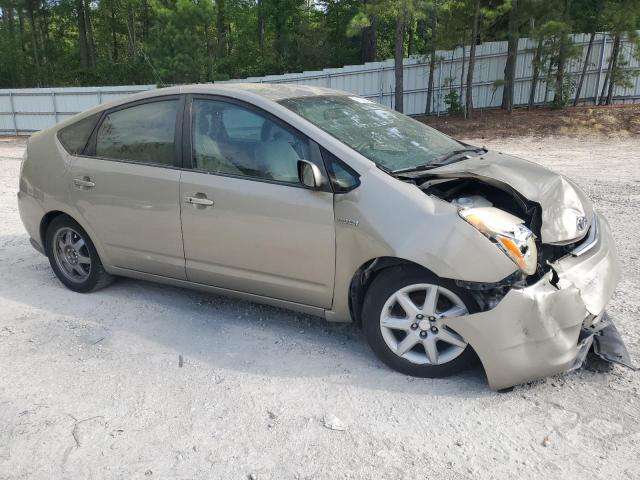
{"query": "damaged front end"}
pixel 546 316
pixel 602 339
pixel 538 330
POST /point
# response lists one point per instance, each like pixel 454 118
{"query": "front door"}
pixel 127 188
pixel 248 224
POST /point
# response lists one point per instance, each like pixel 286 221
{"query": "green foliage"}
pixel 175 41
pixel 568 88
pixel 170 41
pixel 453 103
pixel 621 18
pixel 557 47
pixel 359 21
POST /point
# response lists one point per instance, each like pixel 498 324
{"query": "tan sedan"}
pixel 327 203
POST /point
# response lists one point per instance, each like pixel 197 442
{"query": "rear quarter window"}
pixel 75 136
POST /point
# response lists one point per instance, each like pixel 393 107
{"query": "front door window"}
pixel 232 140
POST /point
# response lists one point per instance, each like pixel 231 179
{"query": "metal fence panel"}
pixel 23 111
pixel 26 110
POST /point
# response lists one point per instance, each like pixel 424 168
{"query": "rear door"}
pixel 126 186
pixel 248 224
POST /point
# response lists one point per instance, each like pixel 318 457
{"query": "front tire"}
pixel 73 257
pixel 401 318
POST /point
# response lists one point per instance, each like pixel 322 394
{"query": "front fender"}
pixel 385 217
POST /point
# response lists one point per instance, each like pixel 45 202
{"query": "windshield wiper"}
pixel 444 160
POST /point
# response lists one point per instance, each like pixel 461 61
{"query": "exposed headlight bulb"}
pixel 508 233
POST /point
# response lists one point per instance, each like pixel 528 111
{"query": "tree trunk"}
pixel 209 74
pixel 398 62
pixel 605 85
pixel 114 37
pixel 410 45
pixel 512 58
pixel 34 37
pixel 536 73
pixel 44 33
pixel 41 14
pixel 131 33
pixel 462 79
pixel 22 55
pixel 613 75
pixel 547 82
pixel 261 24
pixel 6 15
pixel 369 41
pixel 369 38
pixel 431 83
pixel 221 25
pixel 468 111
pixel 558 98
pixel 432 58
pixel 91 44
pixel 145 19
pixel 43 36
pixel 82 35
pixel 8 18
pixel 587 59
pixel 21 30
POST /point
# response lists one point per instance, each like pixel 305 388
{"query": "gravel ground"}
pixel 147 381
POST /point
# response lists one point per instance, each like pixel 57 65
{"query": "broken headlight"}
pixel 508 233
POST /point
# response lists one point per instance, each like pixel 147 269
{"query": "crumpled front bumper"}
pixel 604 340
pixel 534 331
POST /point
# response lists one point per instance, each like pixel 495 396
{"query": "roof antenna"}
pixel 156 75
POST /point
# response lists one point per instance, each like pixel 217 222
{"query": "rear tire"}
pixel 73 257
pixel 401 321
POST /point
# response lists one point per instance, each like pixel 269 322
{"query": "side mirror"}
pixel 309 174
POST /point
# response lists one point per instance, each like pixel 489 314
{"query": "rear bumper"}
pixel 534 331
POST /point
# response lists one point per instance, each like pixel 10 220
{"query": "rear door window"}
pixel 143 133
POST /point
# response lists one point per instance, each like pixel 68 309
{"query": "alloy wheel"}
pixel 412 327
pixel 71 254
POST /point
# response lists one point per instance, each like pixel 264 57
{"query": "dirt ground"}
pixel 614 120
pixel 148 381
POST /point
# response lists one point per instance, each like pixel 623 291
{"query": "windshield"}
pixel 388 138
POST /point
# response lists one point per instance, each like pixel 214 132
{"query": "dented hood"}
pixel 564 205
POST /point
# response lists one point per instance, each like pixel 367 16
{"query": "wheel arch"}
pixel 365 274
pixel 44 225
pixel 48 217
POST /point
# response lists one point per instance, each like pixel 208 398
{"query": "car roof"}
pixel 253 92
pixel 271 91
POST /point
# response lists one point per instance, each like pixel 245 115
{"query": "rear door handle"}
pixel 205 202
pixel 84 182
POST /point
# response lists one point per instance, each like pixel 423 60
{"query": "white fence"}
pixel 26 110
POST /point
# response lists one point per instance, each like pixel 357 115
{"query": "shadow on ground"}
pixel 222 332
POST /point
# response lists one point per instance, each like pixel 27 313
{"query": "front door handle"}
pixel 84 182
pixel 205 202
